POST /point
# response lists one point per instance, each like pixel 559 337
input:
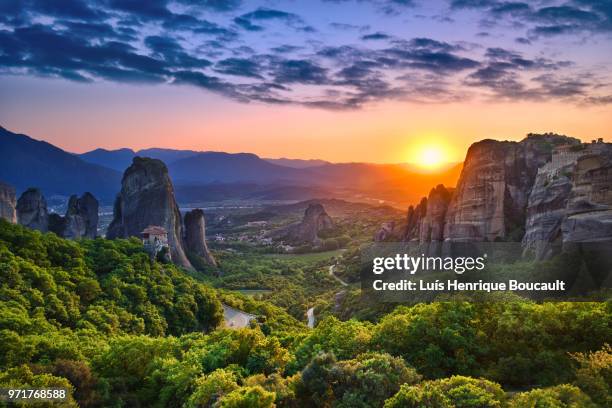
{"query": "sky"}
pixel 339 80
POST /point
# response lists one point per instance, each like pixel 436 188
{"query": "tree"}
pixel 247 397
pixel 344 339
pixel 594 374
pixel 561 396
pixel 437 339
pixel 456 392
pixel 209 388
pixel 364 381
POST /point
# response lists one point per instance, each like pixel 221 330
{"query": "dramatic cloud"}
pixel 389 7
pixel 268 55
pixel 252 21
pixel 544 19
pixel 375 36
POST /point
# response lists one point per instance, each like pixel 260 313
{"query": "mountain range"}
pixel 120 159
pixel 26 162
pixel 208 176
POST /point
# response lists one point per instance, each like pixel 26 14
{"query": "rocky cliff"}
pixel 386 232
pixel 32 210
pixel 413 220
pixel 589 207
pixel 307 231
pixel 492 193
pixel 195 236
pixel 146 199
pixel 545 189
pixel 545 212
pixel 82 217
pixel 7 203
pixel 80 221
pixel 434 217
pixel 571 201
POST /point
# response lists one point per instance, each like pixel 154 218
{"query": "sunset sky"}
pixel 340 80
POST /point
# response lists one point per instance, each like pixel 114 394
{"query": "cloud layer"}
pixel 224 47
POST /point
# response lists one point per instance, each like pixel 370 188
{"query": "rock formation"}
pixel 307 231
pixel 32 210
pixel 589 207
pixel 7 203
pixel 434 218
pixel 386 231
pixel 80 221
pixel 491 197
pixel 545 212
pixel 195 236
pixel 545 190
pixel 82 217
pixel 571 201
pixel 413 220
pixel 146 199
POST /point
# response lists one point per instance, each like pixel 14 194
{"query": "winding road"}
pixel 235 318
pixel 311 318
pixel 331 273
pixel 310 312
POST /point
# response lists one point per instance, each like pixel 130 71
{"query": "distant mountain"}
pixel 298 163
pixel 120 159
pixel 213 176
pixel 166 155
pixel 26 162
pixel 113 159
pixel 219 167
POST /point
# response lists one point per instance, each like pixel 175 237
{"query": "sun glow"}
pixel 430 157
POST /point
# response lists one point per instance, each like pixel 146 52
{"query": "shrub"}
pixel 594 374
pixel 456 392
pixel 561 396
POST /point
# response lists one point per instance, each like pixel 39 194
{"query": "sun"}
pixel 430 157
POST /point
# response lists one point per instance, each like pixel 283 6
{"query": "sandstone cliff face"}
pixel 386 231
pixel 545 190
pixel 546 210
pixel 434 219
pixel 7 203
pixel 413 220
pixel 32 210
pixel 571 201
pixel 491 198
pixel 195 236
pixel 589 207
pixel 81 219
pixel 307 231
pixel 147 198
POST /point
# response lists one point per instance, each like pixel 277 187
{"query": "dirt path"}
pixel 310 312
pixel 311 317
pixel 331 273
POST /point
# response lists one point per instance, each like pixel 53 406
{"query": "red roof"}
pixel 154 230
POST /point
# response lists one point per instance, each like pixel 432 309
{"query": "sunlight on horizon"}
pixel 430 156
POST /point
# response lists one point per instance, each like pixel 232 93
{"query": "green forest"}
pixel 99 318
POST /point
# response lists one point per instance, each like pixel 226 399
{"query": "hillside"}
pixel 27 162
pixel 209 176
pixel 219 167
pixel 113 159
pixel 120 159
pixel 100 320
pixel 212 176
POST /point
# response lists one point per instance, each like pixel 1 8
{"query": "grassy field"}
pixel 310 257
pixel 253 292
